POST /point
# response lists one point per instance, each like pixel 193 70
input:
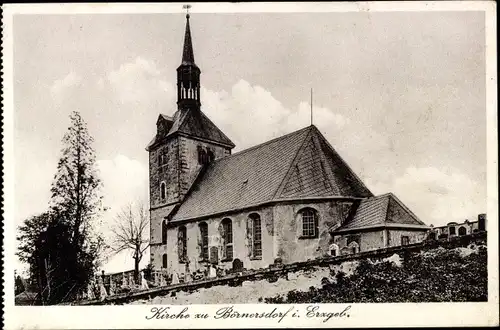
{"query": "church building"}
pixel 290 199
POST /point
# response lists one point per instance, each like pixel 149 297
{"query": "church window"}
pixel 164 261
pixel 163 232
pixel 182 244
pixel 255 235
pixel 227 238
pixel 202 155
pixel 204 240
pixel 309 219
pixel 405 240
pixel 163 191
pixel 210 155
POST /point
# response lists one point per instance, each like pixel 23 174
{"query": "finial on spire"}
pixel 187 54
pixel 187 10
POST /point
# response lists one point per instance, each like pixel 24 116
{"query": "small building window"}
pixel 405 240
pixel 354 247
pixel 182 244
pixel 165 261
pixel 227 238
pixel 462 231
pixel 452 231
pixel 163 232
pixel 204 240
pixel 255 235
pixel 163 191
pixel 309 222
pixel 334 250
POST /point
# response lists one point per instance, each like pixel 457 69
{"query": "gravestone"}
pixel 237 265
pixel 214 255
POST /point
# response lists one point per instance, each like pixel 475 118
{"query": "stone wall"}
pixel 167 173
pixel 289 245
pixel 414 236
pixel 241 243
pixel 188 159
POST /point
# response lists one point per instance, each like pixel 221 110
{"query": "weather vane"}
pixel 187 9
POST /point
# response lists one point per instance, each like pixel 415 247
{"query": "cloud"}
pixel 59 86
pixel 437 196
pixel 139 81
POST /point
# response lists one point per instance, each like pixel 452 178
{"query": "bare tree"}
pixel 130 233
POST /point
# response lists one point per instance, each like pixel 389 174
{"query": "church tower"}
pixel 184 145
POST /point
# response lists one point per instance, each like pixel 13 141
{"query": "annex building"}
pixel 289 199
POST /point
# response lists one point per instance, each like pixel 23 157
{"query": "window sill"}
pixel 256 258
pixel 226 260
pixel 308 237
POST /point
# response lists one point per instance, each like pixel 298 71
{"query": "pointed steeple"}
pixel 187 54
pixel 188 76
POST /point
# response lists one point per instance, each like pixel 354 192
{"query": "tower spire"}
pixel 187 53
pixel 188 74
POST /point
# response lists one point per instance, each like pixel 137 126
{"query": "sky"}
pixel 399 95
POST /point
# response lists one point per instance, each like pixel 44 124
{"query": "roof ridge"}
pixel 341 159
pixel 410 212
pixel 293 161
pixel 263 144
pixel 221 132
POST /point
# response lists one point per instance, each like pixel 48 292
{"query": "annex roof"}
pixel 383 210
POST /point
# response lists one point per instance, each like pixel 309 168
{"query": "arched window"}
pixel 163 232
pixel 227 239
pixel 452 231
pixel 255 235
pixel 334 250
pixel 462 231
pixel 309 219
pixel 202 155
pixel 163 191
pixel 165 261
pixel 354 247
pixel 204 240
pixel 182 244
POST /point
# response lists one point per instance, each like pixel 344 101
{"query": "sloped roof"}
pixel 286 167
pixel 384 210
pixel 194 123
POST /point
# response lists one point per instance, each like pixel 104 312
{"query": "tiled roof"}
pixel 195 123
pixel 292 166
pixel 381 210
pixel 245 178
